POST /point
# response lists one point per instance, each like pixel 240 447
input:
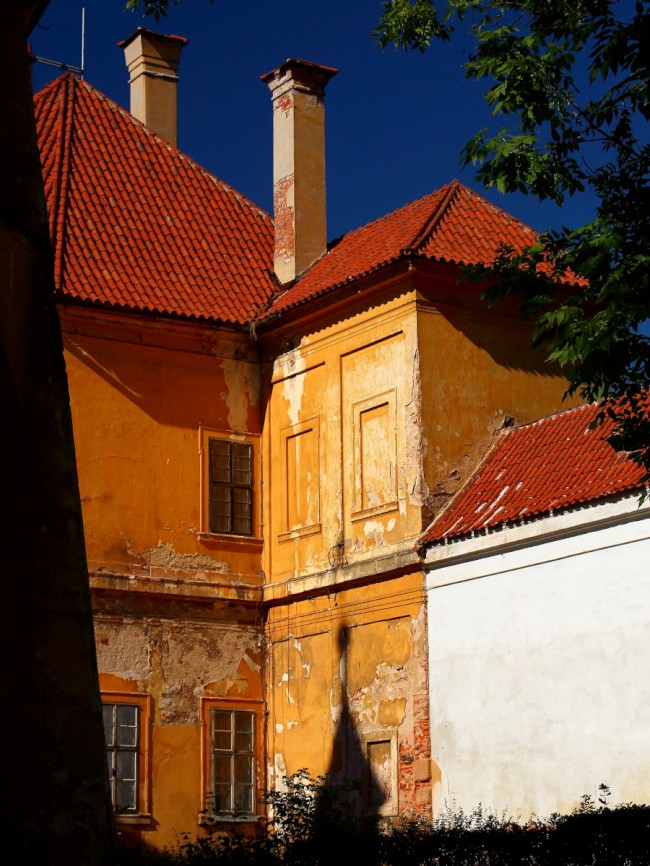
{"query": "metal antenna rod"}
pixel 79 70
pixel 83 40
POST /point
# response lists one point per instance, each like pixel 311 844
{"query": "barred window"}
pixel 232 762
pixel 122 732
pixel 231 487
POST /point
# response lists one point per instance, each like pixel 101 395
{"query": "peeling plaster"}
pixel 375 529
pixel 243 390
pixel 278 772
pixel 163 555
pixel 191 656
pixel 123 651
pixel 294 386
pixel 413 438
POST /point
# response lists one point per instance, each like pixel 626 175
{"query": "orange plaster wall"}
pixel 176 612
pixel 478 373
pixel 139 396
pixel 362 367
pixel 347 668
pixel 177 663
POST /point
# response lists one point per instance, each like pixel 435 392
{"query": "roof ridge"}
pixel 225 187
pixel 435 217
pixel 62 174
pixel 496 207
pixel 94 91
pixel 390 215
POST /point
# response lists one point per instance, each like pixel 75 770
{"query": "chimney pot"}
pixel 299 204
pixel 152 60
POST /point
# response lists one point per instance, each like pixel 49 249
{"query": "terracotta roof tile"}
pixel 452 224
pixel 136 224
pixel 550 465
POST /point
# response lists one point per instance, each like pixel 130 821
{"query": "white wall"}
pixel 539 664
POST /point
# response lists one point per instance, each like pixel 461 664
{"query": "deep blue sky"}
pixel 396 122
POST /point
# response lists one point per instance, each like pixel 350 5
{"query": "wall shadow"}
pixel 350 764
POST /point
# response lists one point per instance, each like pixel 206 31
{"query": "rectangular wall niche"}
pixel 375 454
pixel 300 472
pixel 381 772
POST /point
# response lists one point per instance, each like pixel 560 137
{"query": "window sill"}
pixel 140 818
pixel 231 542
pixel 206 819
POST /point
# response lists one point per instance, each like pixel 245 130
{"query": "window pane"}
pixel 125 795
pixel 244 798
pixel 244 769
pixel 222 740
pixel 220 461
pixel 126 766
pixel 127 721
pixel 242 499
pixel 222 798
pixel 244 732
pixel 109 728
pixel 222 769
pixel 242 464
pixel 221 720
pixel 244 722
pixel 242 511
pixel 242 526
pixel 244 741
pixel 220 510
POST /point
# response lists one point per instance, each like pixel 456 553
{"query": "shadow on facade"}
pixel 350 762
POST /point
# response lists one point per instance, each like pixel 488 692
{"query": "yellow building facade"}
pixel 258 455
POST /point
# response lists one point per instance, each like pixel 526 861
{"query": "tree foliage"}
pixel 156 8
pixel 571 82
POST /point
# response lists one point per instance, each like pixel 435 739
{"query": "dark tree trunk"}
pixel 54 769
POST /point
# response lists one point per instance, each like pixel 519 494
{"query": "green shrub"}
pixel 312 823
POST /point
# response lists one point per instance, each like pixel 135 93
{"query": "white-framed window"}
pixel 232 784
pixel 122 732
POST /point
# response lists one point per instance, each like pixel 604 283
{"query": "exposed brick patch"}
pixel 285 234
pixel 285 102
pixel 414 772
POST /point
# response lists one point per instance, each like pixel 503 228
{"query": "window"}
pixel 232 762
pixel 230 488
pixel 122 732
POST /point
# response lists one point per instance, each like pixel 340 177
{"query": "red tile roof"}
pixel 537 469
pixel 453 224
pixel 136 224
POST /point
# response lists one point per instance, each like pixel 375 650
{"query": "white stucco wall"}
pixel 539 663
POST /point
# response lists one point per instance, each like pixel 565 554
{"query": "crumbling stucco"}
pixel 178 662
pixel 122 649
pixel 243 388
pixel 163 556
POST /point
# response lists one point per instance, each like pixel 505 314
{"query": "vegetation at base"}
pixel 313 824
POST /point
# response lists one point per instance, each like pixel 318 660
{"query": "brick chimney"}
pixel 152 60
pixel 298 90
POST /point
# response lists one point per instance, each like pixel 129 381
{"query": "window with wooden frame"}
pixel 126 723
pixel 232 762
pixel 230 487
pixel 232 775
